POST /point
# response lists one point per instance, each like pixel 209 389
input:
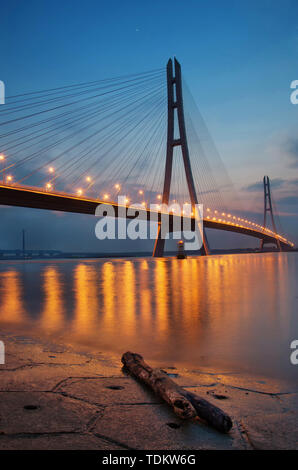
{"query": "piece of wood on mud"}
pixel 186 404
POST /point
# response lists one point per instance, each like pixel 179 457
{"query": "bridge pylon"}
pixel 268 208
pixel 175 101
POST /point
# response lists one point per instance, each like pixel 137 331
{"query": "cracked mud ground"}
pixel 52 397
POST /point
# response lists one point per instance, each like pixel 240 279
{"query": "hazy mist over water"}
pixel 226 312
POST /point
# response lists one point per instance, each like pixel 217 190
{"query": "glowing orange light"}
pixel 79 192
pixel 88 179
pixel 2 157
pixel 9 178
pixel 117 186
pixel 105 196
pixel 51 169
pixel 159 196
pixel 141 192
pixel 49 185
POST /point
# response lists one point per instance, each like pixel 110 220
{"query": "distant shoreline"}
pixel 9 255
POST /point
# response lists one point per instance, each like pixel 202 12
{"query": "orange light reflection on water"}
pixel 86 301
pixel 11 299
pixel 52 316
pixel 223 310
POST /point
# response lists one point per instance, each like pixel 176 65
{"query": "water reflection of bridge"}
pixel 88 302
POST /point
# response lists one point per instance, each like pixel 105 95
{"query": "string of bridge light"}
pixel 250 223
pixel 7 178
pixel 218 217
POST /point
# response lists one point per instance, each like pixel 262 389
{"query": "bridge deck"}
pixel 39 199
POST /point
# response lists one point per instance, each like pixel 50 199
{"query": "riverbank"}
pixel 31 255
pixel 53 397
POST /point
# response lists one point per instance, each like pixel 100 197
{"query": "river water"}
pixel 227 312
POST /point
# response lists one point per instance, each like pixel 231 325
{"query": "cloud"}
pixel 258 186
pixel 292 151
pixel 288 200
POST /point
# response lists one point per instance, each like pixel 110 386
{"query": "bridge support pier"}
pixel 175 101
pixel 159 245
pixel 268 208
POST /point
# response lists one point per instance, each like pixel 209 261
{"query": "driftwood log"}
pixel 186 404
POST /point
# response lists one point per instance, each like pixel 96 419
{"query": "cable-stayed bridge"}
pixel 74 147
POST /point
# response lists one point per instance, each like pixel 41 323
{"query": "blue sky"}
pixel 238 57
